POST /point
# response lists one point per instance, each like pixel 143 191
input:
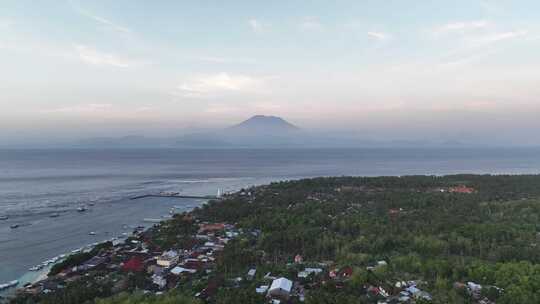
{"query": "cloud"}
pixel 311 24
pixel 5 23
pixel 103 21
pixel 92 56
pixel 147 108
pixel 225 60
pixel 533 38
pixel 462 26
pixel 110 24
pixel 496 37
pixel 209 85
pixel 378 35
pixel 82 109
pixel 256 25
pixel 491 8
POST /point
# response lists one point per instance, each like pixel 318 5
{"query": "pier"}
pixel 175 196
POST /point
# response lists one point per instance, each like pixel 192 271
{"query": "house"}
pixel 92 263
pixel 160 281
pixel 179 270
pixel 461 189
pixel 251 273
pixel 193 264
pixel 308 271
pixel 345 272
pixel 135 264
pixel 168 259
pixel 261 289
pixel 280 288
pixel 474 289
pixel 211 228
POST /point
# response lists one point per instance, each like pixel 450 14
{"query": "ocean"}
pixel 35 184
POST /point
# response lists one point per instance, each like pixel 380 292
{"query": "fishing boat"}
pixel 36 268
pixel 55 215
pixel 14 226
pixel 81 209
pixel 3 217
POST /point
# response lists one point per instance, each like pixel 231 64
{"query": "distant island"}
pixel 411 239
pixel 259 131
pixel 263 124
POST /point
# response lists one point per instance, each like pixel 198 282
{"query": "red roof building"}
pixel 461 189
pixel 211 227
pixel 134 264
pixel 346 272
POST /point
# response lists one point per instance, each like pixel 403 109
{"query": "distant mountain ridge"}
pixel 262 123
pixel 259 131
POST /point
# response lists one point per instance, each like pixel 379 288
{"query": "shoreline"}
pixel 48 237
pixel 33 277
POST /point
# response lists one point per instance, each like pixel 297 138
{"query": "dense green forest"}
pixel 422 228
pixel 489 236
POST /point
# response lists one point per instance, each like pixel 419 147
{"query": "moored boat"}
pixel 36 268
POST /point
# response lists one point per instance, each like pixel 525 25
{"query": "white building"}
pixel 178 270
pixel 280 288
pixel 306 272
pixel 159 281
pixel 251 273
pixel 168 259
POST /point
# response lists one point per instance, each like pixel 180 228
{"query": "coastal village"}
pixel 167 269
pixel 138 262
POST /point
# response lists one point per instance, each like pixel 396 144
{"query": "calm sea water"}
pixel 36 183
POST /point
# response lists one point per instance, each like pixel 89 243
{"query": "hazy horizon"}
pixel 464 71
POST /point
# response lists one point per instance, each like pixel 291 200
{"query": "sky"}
pixel 447 70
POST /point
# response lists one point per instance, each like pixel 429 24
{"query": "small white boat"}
pixel 14 226
pixel 36 268
pixel 55 215
pixel 92 233
pixel 3 217
pixel 81 209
